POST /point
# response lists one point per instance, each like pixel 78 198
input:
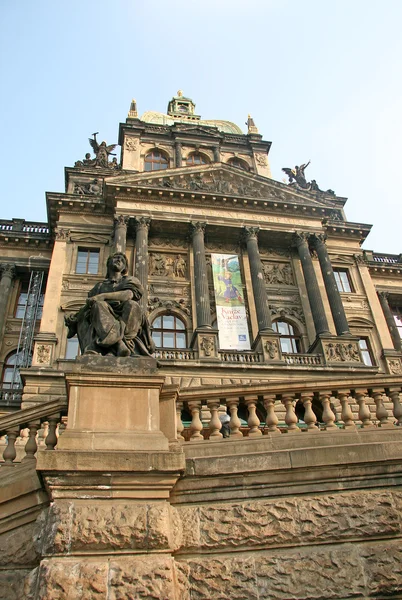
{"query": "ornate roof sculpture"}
pixel 181 110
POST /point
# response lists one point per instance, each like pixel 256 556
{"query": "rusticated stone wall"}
pixel 341 545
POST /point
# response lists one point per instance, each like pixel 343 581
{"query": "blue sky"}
pixel 323 81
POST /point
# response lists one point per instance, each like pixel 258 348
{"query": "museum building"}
pixel 256 451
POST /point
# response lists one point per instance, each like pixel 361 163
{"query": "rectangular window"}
pixel 397 312
pixel 87 261
pixel 342 280
pixel 366 352
pixel 72 348
pixel 22 302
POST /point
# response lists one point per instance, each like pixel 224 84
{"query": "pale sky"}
pixel 321 79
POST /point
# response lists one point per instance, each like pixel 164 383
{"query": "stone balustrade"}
pixel 174 354
pixel 30 429
pixel 303 359
pixel 239 357
pixel 307 410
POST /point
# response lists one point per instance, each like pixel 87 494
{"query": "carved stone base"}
pixel 269 346
pixel 205 343
pixel 338 351
pixel 393 360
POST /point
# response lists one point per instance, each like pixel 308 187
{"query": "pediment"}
pixel 88 237
pixel 198 130
pixel 220 179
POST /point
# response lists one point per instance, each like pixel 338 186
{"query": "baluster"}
pixel 290 416
pixel 394 394
pixel 51 438
pixel 309 415
pixel 364 411
pixel 196 424
pixel 327 414
pixel 234 422
pixel 381 412
pixel 215 424
pixel 271 420
pixel 43 433
pixel 346 414
pixel 31 445
pixel 10 452
pixel 23 437
pixel 179 422
pixel 253 421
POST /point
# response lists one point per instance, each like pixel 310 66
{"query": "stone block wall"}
pixel 340 545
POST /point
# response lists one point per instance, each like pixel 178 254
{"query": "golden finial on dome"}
pixel 180 93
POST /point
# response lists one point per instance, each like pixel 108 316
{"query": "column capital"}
pixel 197 227
pixel 318 239
pixel 383 295
pixel 250 233
pixel 121 220
pixel 7 269
pixel 142 223
pixel 300 237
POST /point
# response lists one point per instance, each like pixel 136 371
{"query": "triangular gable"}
pixel 89 237
pixel 219 179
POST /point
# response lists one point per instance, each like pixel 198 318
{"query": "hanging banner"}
pixel 229 298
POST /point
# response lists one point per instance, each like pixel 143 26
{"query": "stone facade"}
pixel 216 472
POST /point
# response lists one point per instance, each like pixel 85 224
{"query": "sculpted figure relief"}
pixel 112 321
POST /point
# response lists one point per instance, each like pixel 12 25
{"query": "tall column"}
pixel 389 317
pixel 257 279
pixel 120 233
pixel 7 276
pixel 141 255
pixel 334 297
pixel 177 149
pixel 217 154
pixel 203 306
pixel 313 291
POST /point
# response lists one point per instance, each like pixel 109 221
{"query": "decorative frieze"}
pixel 342 352
pixel 167 265
pixel 181 304
pixel 278 273
pixel 62 235
pixel 288 311
pixel 165 242
pixel 90 188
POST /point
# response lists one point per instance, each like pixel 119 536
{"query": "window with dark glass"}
pixel 169 331
pixel 22 301
pixel 290 339
pixel 366 353
pixel 195 158
pixel 72 348
pixel 342 280
pixel 11 373
pixel 240 164
pixel 155 161
pixel 87 261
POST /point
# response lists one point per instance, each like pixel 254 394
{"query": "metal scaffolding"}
pixel 27 331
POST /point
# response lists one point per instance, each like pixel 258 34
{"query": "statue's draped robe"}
pixel 104 323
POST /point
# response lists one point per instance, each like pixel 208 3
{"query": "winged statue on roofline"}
pixel 102 152
pixel 297 179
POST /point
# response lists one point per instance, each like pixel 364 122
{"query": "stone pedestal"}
pixel 269 346
pixel 205 343
pixel 113 405
pixel 110 529
pixel 338 351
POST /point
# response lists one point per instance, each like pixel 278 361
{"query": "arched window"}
pixel 155 161
pixel 11 373
pixel 168 331
pixel 195 158
pixel 240 164
pixel 290 339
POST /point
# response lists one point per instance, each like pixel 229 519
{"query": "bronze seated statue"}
pixel 112 320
